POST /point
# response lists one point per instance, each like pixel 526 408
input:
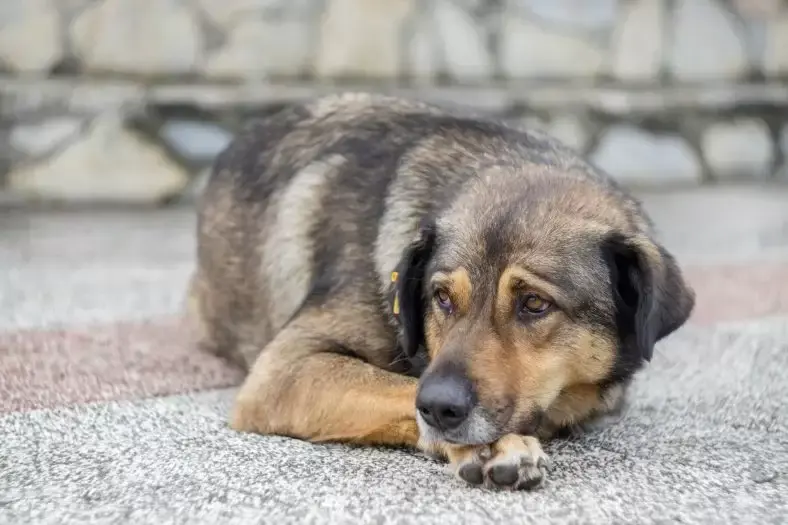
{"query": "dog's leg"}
pixel 513 462
pixel 308 384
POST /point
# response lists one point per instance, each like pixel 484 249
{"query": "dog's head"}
pixel 524 287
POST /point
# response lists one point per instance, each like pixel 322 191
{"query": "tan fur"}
pixel 513 444
pixel 288 247
pixel 432 334
pixel 322 396
pixel 577 403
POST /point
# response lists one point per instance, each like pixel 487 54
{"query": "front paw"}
pixel 511 463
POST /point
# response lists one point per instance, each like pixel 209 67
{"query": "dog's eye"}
pixel 444 300
pixel 531 304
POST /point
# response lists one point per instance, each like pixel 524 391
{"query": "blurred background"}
pixel 130 100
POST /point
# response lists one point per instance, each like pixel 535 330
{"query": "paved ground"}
pixel 107 415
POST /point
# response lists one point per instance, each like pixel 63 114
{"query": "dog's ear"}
pixel 409 300
pixel 651 297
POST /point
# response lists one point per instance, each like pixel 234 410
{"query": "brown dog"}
pixel 349 242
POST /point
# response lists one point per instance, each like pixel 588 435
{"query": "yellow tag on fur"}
pixel 395 307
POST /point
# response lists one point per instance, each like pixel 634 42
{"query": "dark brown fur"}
pixel 310 210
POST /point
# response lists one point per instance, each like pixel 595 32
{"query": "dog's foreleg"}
pixel 307 384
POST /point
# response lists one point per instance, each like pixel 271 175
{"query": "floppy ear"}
pixel 409 289
pixel 651 297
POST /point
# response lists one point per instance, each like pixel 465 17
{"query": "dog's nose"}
pixel 444 401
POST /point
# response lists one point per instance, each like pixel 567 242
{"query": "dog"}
pixel 395 273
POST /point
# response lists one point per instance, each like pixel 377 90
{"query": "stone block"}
pixel 69 7
pixel 707 44
pixel 784 140
pixel 782 172
pixel 529 122
pixel 463 42
pixel 362 38
pixel 109 163
pixel 145 37
pixel 226 13
pixel 41 138
pixel 30 35
pixel 757 9
pixel 741 148
pixel 531 50
pixel 775 59
pixel 638 41
pixel 753 32
pixel 258 48
pixel 424 50
pixel 570 130
pixel 194 140
pixel 640 158
pixel 571 14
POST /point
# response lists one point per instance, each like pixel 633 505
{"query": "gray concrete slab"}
pixel 69 267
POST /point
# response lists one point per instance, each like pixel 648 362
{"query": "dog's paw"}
pixel 518 463
pixel 511 463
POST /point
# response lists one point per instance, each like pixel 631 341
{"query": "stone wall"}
pixel 132 99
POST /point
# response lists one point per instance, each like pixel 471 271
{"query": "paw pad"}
pixel 472 473
pixel 504 474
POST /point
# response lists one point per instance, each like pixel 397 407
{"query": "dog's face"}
pixel 520 293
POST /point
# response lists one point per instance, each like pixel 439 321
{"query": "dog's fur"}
pixel 311 209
